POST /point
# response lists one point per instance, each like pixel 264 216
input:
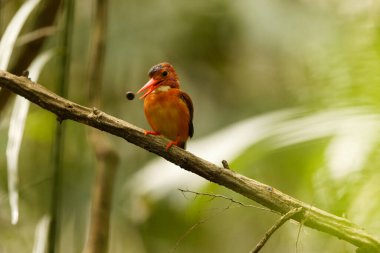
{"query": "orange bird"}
pixel 169 110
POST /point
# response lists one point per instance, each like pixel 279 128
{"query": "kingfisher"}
pixel 168 110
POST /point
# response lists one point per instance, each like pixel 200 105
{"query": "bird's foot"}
pixel 176 142
pixel 151 132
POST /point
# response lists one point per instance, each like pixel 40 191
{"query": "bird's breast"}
pixel 167 113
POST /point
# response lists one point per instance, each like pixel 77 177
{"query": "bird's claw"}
pixel 168 146
pixel 171 144
pixel 151 133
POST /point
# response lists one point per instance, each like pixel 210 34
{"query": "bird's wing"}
pixel 186 98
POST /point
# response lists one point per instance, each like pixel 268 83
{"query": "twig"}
pixel 194 226
pixel 299 234
pixel 259 192
pixel 200 222
pixel 276 226
pixel 226 165
pixel 214 196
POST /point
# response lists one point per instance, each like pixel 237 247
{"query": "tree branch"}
pixel 259 192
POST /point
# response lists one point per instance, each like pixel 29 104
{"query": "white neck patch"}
pixel 162 88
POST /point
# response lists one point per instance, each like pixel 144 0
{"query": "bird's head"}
pixel 161 75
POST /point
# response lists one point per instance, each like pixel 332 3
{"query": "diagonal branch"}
pixel 259 192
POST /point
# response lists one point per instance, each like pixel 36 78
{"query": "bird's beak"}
pixel 150 86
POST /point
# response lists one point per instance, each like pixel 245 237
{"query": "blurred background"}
pixel 287 91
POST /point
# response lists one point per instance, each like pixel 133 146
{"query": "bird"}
pixel 168 110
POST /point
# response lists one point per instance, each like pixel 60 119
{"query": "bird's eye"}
pixel 165 73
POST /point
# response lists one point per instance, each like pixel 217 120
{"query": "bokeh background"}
pixel 287 91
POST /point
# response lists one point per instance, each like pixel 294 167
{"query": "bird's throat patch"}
pixel 162 88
